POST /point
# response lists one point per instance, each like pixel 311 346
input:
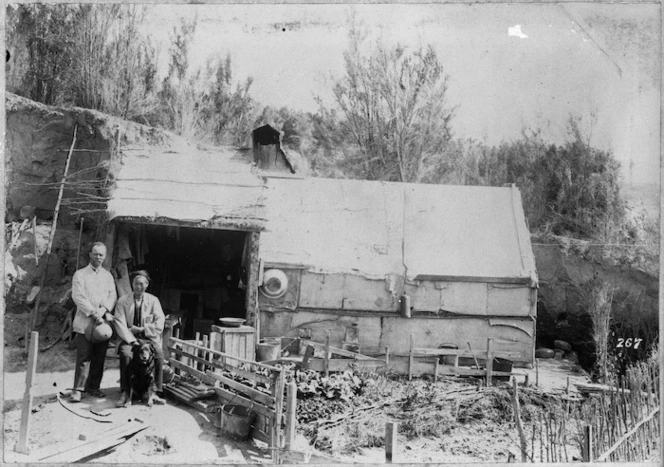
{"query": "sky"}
pixel 510 65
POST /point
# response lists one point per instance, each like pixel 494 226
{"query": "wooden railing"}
pixel 454 369
pixel 242 382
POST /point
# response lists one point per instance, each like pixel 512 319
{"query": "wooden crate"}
pixel 238 342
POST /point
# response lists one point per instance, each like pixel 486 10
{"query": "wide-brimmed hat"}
pixel 98 332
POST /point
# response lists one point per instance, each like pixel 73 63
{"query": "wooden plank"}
pixel 424 352
pixel 421 368
pixel 338 351
pixel 195 360
pixel 410 358
pixel 291 419
pixel 261 429
pixel 54 449
pixel 489 361
pixel 198 374
pixel 587 446
pixel 229 396
pixel 253 270
pixel 201 406
pixel 254 377
pixel 327 353
pixel 308 354
pixel 278 393
pixel 177 393
pixel 519 425
pixel 230 357
pixel 343 364
pixel 26 412
pixel 626 436
pixel 97 445
pixel 485 279
pixel 251 393
pixel 391 429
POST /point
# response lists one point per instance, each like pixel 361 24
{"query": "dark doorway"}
pixel 197 274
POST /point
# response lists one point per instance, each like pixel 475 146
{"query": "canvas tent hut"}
pixel 233 232
pixel 229 234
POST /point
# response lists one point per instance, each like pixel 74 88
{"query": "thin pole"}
pixel 35 312
pixel 24 434
pixel 34 236
pixel 517 416
pixel 80 238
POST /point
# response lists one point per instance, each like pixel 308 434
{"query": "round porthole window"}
pixel 275 283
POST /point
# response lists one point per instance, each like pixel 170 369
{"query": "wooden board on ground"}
pixel 343 364
pixel 85 449
pixel 202 405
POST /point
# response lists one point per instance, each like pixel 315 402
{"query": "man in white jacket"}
pixel 141 313
pixel 93 291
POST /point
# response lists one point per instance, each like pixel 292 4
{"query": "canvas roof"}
pixel 380 228
pixel 369 228
pixel 213 187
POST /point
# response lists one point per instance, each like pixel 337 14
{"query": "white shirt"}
pixel 91 288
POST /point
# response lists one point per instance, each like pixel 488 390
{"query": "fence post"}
pixel 24 433
pixel 291 419
pixel 391 429
pixel 410 358
pixel 519 425
pixel 327 354
pixel 587 451
pixel 276 422
pixel 489 361
pixel 206 354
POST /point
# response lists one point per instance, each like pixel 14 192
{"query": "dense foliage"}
pixel 390 118
pixel 96 56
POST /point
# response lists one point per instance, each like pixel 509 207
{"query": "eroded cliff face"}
pixel 566 274
pixel 38 139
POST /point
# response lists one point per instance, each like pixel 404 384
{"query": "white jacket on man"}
pixel 91 289
pixel 152 315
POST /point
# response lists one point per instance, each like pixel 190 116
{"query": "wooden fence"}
pixel 348 360
pixel 241 382
pixel 437 368
pixel 622 425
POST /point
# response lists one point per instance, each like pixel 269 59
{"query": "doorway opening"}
pixel 199 275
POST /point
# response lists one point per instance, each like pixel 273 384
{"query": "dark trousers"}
pixel 125 352
pixel 89 363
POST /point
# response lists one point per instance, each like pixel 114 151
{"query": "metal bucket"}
pixel 236 420
pixel 268 350
pixel 447 359
pixel 502 364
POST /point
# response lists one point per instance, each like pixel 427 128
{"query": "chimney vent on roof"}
pixel 268 154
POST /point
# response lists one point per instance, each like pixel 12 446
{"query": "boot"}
pixel 124 400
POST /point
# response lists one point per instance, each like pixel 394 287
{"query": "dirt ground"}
pixel 450 421
pixel 177 434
